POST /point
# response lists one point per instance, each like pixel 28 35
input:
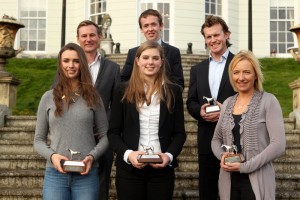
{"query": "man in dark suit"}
pixel 106 77
pixel 210 79
pixel 150 22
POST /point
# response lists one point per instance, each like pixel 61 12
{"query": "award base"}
pixel 212 108
pixel 150 158
pixel 234 158
pixel 73 166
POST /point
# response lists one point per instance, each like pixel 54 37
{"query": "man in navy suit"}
pixel 210 79
pixel 106 77
pixel 151 24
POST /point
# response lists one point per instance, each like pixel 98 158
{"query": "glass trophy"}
pixel 232 158
pixel 74 164
pixel 150 156
pixel 213 107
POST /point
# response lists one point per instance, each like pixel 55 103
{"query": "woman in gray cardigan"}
pixel 73 115
pixel 252 121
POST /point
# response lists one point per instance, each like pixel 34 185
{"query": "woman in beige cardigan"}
pixel 252 121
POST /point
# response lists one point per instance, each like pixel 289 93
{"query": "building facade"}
pixel 43 19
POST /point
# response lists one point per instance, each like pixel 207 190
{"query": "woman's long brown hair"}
pixel 62 86
pixel 135 92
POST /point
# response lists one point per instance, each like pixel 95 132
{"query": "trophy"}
pixel 213 107
pixel 232 158
pixel 74 164
pixel 149 157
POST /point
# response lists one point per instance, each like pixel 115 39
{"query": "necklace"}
pixel 74 96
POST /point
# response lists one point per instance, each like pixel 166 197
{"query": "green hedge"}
pixel 37 75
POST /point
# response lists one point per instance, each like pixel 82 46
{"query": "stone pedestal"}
pixel 8 91
pixel 107 45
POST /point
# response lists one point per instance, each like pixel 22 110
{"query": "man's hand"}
pixel 210 117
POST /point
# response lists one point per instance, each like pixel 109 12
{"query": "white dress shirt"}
pixel 95 67
pixel 216 69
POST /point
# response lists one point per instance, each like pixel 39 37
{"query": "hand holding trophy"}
pixel 149 157
pixel 232 158
pixel 213 107
pixel 74 164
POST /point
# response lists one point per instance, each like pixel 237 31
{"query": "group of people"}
pixel 96 110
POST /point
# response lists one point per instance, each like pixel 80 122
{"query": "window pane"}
pixel 282 48
pixel 23 35
pixel 32 35
pixel 281 37
pixel 290 37
pixel 42 35
pixel 282 14
pixel 32 45
pixel 42 24
pixel 273 46
pixel 41 46
pixel 273 37
pixel 273 14
pixel 166 36
pixel 281 26
pixel 213 8
pixel 23 45
pixel 92 9
pixel 42 13
pixel 33 24
pixel 207 8
pixel 273 26
pixel 32 13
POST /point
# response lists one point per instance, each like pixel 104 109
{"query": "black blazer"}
pixel 199 87
pixel 124 127
pixel 107 81
pixel 173 64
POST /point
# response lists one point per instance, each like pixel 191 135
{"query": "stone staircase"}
pixel 22 170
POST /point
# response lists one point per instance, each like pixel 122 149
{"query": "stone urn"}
pixel 9 27
pixel 294 50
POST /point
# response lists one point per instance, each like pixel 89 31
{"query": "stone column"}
pixel 8 91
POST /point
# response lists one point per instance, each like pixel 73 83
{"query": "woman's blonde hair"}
pixel 135 91
pixel 247 55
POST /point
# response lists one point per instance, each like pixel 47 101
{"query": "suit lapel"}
pixel 225 76
pixel 102 66
pixel 203 72
pixel 162 114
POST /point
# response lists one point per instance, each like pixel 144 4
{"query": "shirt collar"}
pixel 224 56
pixel 98 57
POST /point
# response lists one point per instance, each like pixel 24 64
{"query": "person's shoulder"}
pixel 110 62
pixel 134 49
pixel 48 95
pixel 166 45
pixel 200 64
pixel 268 96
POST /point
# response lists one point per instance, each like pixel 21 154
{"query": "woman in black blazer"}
pixel 147 112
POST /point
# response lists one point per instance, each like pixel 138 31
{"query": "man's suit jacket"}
pixel 107 81
pixel 124 127
pixel 173 64
pixel 199 87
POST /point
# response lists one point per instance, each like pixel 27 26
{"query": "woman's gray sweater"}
pixel 73 130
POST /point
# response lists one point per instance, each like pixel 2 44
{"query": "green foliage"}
pixel 37 75
pixel 278 73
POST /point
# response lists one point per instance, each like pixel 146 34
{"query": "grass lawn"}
pixel 36 77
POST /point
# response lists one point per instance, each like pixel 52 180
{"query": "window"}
pixel 97 9
pixel 164 9
pixel 213 7
pixel 33 16
pixel 281 20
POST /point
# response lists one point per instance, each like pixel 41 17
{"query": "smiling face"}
pixel 244 77
pixel 88 38
pixel 215 39
pixel 149 63
pixel 150 27
pixel 70 64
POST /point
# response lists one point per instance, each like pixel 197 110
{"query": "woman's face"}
pixel 149 62
pixel 70 64
pixel 244 76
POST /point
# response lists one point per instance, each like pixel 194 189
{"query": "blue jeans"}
pixel 70 186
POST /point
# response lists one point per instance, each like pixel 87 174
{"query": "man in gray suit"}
pixel 106 77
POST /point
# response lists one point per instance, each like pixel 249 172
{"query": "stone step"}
pixel 287 181
pixel 23 162
pixel 15 133
pixel 20 193
pixel 287 195
pixel 21 178
pixel 15 147
pixel 20 121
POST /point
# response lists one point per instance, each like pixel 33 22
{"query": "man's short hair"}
pixel 87 23
pixel 152 12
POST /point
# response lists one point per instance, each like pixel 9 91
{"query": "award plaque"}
pixel 74 164
pixel 149 157
pixel 213 107
pixel 232 158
